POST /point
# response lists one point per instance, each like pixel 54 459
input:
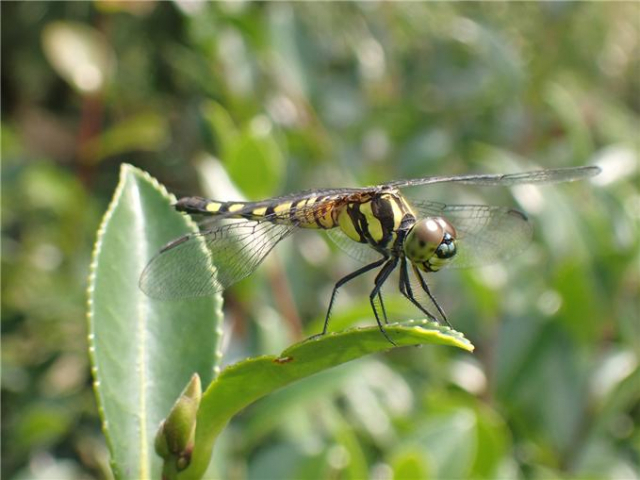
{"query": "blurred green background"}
pixel 253 100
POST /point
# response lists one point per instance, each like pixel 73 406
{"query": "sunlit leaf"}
pixel 410 463
pixel 80 55
pixel 221 127
pixel 143 351
pixel 142 132
pixel 247 381
pixel 255 162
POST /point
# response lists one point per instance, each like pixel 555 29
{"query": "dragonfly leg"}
pixel 344 280
pixel 379 281
pixel 384 312
pixel 425 287
pixel 407 291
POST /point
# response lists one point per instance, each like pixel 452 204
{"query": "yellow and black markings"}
pixel 365 218
pixel 375 221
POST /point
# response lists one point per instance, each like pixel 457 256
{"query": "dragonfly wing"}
pixel 234 247
pixel 359 251
pixel 536 177
pixel 486 234
pixel 234 250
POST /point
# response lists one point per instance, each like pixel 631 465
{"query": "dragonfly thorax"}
pixel 431 243
pixel 376 219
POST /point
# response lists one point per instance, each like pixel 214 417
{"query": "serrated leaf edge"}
pixel 117 195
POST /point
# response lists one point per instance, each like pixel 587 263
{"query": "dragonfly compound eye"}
pixel 423 239
pixel 447 247
pixel 430 243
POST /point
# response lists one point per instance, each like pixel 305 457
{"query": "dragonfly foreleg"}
pixel 344 280
pixel 379 281
pixel 407 291
pixel 425 287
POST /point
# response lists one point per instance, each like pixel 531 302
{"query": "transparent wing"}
pixel 486 234
pixel 233 247
pixel 360 251
pixel 234 250
pixel 537 177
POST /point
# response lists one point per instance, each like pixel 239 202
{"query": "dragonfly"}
pixel 377 225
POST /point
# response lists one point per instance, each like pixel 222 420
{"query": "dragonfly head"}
pixel 431 243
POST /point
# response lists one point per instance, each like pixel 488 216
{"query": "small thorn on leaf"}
pixel 283 360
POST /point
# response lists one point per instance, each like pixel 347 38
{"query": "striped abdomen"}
pixel 365 217
pixel 305 212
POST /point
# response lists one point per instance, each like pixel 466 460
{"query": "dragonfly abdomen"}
pixel 318 212
pixel 371 218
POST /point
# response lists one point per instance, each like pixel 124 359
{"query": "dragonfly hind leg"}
pixel 379 281
pixel 384 311
pixel 407 291
pixel 340 283
pixel 425 287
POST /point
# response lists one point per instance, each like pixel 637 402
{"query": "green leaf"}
pixel 493 443
pixel 450 440
pixel 80 54
pixel 410 463
pixel 563 99
pixel 221 126
pixel 356 467
pixel 251 155
pixel 144 131
pixel 245 382
pixel 143 351
pixel 255 162
pixel 268 415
